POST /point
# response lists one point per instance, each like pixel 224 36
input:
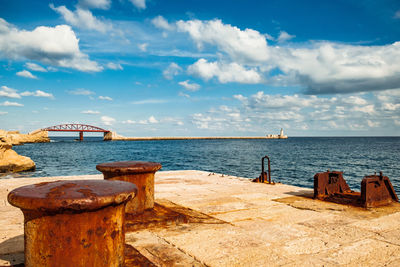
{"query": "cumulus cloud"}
pixel 139 4
pixel 241 45
pixel 37 93
pixel 56 46
pixel 172 70
pixel 11 104
pixel 319 67
pixel 26 74
pixel 100 4
pixel 284 36
pixel 81 91
pixel 91 112
pixel 232 72
pixel 106 120
pixel 105 98
pixel 35 67
pixel 3 113
pixel 161 23
pixel 8 92
pixel 150 120
pixel 114 66
pixel 143 47
pixel 82 18
pixel 190 86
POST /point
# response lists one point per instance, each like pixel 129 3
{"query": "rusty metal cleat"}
pixel 329 183
pixel 377 190
pixel 265 177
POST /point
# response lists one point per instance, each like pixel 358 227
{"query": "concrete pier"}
pixel 207 219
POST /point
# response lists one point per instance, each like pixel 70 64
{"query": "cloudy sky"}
pixel 202 68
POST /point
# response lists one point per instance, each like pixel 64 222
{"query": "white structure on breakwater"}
pixel 277 136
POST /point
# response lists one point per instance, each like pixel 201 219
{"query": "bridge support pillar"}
pixel 80 136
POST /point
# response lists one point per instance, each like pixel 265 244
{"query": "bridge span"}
pixel 73 127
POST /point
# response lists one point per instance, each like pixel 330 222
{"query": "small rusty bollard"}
pixel 74 223
pixel 141 173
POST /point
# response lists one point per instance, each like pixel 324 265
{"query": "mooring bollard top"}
pixel 129 166
pixel 75 195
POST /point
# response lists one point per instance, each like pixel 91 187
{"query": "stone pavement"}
pixel 230 221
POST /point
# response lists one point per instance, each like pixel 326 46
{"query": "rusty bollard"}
pixel 141 173
pixel 74 223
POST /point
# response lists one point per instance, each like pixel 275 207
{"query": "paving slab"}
pixel 225 220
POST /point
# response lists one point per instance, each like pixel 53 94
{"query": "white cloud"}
pixel 143 47
pixel 37 93
pixel 50 45
pixel 100 4
pixel 11 104
pixel 3 113
pixel 35 67
pixel 190 86
pixel 365 109
pixel 161 23
pixel 91 112
pixel 373 124
pixel 318 67
pixel 232 72
pixel 241 45
pixel 114 66
pixel 8 92
pixel 139 4
pixel 128 122
pixel 172 70
pixel 106 120
pixel 82 18
pixel 26 74
pixel 284 36
pixel 150 120
pixel 81 91
pixel 105 98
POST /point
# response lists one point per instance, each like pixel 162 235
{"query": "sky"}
pixel 201 67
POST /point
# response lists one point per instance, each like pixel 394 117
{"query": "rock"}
pixel 10 161
pixel 16 138
pixel 113 136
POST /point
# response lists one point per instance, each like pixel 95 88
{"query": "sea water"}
pixel 293 161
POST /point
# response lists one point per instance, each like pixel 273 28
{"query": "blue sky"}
pixel 202 68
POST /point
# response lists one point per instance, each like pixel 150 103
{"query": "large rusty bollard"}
pixel 74 223
pixel 141 173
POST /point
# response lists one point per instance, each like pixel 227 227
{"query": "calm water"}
pixel 293 161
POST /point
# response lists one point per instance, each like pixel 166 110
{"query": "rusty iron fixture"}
pixel 265 177
pixel 74 223
pixel 141 173
pixel 376 190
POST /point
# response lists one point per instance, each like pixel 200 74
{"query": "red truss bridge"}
pixel 75 128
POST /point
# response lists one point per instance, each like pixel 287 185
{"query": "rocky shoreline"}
pixel 11 161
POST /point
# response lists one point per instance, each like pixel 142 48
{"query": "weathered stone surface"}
pixel 16 138
pixel 10 161
pixel 248 224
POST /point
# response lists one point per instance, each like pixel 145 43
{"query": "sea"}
pixel 294 160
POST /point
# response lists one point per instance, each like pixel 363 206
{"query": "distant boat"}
pixel 277 136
